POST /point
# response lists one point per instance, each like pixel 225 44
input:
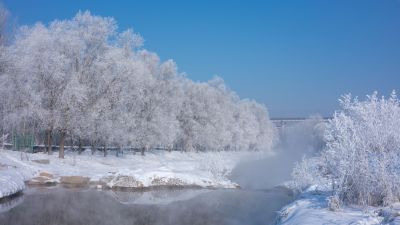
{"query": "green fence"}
pixel 23 142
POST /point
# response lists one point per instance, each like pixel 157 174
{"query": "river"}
pixel 60 206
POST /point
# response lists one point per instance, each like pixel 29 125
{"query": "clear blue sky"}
pixel 296 57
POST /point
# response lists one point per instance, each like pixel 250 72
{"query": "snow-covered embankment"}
pixel 312 208
pixel 158 168
pixel 11 182
pixel 12 175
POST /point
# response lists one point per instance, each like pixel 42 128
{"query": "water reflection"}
pixel 9 203
pixel 155 197
pixel 72 206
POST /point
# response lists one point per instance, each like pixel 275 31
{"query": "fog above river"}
pixel 302 139
pixel 72 206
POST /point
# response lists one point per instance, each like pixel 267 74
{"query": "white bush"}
pixel 307 172
pixel 362 154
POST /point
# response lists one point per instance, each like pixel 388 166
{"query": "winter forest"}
pixel 82 82
pixel 83 91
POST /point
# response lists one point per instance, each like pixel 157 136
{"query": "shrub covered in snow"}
pixel 362 154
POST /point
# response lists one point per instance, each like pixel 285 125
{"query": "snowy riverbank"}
pixel 12 174
pixel 11 182
pixel 311 208
pixel 158 168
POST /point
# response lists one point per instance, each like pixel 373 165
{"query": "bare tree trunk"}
pixel 80 150
pixel 105 151
pixel 118 150
pixel 142 150
pixel 46 140
pixel 93 147
pixel 49 141
pixel 62 143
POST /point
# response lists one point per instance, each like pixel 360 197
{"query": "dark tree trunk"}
pixel 93 147
pixel 49 141
pixel 62 143
pixel 142 150
pixel 80 150
pixel 46 140
pixel 118 150
pixel 105 151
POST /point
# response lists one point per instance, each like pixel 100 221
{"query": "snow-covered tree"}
pixel 83 79
pixel 362 156
pixel 214 118
pixel 3 63
pixel 45 69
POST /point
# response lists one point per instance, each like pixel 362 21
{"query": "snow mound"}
pixel 11 182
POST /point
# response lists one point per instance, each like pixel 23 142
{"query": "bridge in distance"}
pixel 281 123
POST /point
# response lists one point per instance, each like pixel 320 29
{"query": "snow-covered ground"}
pixel 312 208
pixel 157 168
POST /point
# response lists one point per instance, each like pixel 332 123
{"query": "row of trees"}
pixel 82 81
pixel 362 153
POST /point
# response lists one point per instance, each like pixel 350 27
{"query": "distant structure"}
pixel 282 123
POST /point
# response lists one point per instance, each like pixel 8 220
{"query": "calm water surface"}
pixel 60 206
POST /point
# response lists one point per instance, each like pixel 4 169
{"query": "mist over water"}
pixel 296 141
pixel 72 206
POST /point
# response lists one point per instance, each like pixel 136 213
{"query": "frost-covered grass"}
pixel 158 168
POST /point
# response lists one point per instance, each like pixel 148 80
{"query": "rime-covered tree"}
pixel 361 157
pixel 82 78
pixel 3 63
